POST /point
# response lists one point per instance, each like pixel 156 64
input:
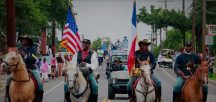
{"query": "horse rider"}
pixel 28 52
pixel 87 58
pixel 142 55
pixel 184 61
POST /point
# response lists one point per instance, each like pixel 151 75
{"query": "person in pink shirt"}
pixel 44 69
pixel 53 66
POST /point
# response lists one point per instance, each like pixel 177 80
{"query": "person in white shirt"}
pixel 100 53
pixel 86 58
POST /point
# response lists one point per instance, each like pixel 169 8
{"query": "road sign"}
pixel 212 30
pixel 209 40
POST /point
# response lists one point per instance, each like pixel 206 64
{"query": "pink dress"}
pixel 53 61
pixel 44 67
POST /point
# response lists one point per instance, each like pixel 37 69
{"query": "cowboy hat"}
pixel 27 37
pixel 86 41
pixel 145 42
pixel 188 43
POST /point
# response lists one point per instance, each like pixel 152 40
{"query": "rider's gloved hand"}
pixel 180 73
pixel 185 77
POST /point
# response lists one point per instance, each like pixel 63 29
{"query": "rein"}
pixel 16 66
pixel 145 94
pixel 76 88
pixel 21 80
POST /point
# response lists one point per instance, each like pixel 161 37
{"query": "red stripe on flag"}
pixel 131 59
pixel 71 50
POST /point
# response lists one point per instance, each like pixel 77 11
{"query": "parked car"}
pixel 165 58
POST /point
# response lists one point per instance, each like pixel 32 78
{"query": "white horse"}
pixel 144 90
pixel 78 85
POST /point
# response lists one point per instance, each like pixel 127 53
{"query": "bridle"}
pixel 9 66
pixel 145 94
pixel 15 69
pixel 76 86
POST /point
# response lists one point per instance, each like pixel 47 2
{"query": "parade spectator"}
pixel 60 62
pixel 44 69
pixel 125 43
pixel 53 67
pixel 211 63
pixel 38 64
pixel 100 56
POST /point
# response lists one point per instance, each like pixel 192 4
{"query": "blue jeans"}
pixel 94 85
pixel 180 82
pixel 36 76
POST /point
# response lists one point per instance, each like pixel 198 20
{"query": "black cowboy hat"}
pixel 188 43
pixel 86 41
pixel 27 37
pixel 145 42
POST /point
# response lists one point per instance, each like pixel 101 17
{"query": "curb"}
pixel 212 81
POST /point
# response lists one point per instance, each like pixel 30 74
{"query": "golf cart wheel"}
pixel 111 93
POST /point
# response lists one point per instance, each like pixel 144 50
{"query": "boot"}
pixel 205 96
pixel 7 96
pixel 159 94
pixel 39 96
pixel 95 98
pixel 67 97
pixel 175 96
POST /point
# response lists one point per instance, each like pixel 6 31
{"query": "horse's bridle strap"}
pixel 81 94
pixel 21 80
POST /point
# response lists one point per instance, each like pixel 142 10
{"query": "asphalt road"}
pixel 54 91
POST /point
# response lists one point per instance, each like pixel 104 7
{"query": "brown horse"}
pixel 22 87
pixel 192 90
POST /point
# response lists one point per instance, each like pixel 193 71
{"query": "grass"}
pixel 212 77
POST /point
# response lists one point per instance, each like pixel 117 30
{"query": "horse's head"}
pixel 11 61
pixel 146 72
pixel 202 72
pixel 72 75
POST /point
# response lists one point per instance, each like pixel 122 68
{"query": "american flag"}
pixel 71 38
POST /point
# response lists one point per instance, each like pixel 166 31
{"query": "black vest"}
pixel 87 59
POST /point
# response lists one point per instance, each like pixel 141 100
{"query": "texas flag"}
pixel 133 40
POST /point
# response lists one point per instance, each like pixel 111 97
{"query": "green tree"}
pixel 160 18
pixel 210 19
pixel 96 43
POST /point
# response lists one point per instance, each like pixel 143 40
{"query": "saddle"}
pixel 31 75
pixel 85 71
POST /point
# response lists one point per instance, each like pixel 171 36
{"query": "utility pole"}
pixel 203 27
pixel 183 7
pixel 160 38
pixel 165 4
pixel 183 12
pixel 11 26
pixel 194 24
pixel 53 36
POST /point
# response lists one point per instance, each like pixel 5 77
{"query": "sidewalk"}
pixel 3 79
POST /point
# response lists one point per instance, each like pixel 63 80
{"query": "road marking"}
pixel 168 74
pixel 104 99
pixel 53 88
pixel 175 79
